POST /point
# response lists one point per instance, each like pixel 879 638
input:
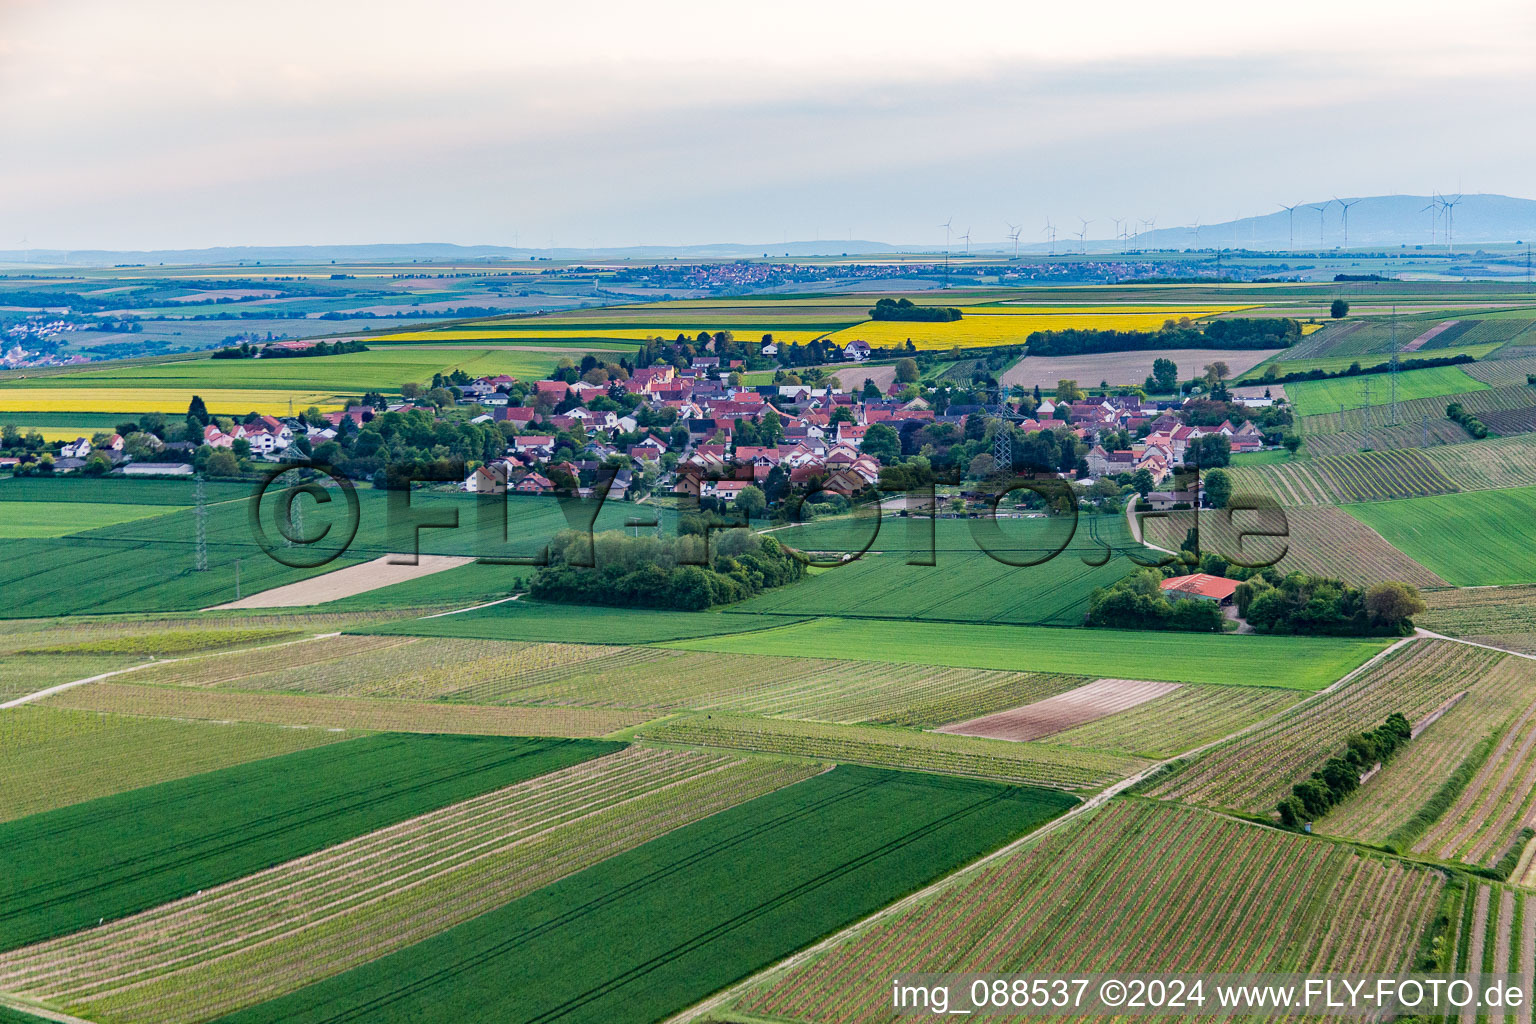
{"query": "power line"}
pixel 200 521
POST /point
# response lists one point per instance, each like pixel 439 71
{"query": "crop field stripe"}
pixel 120 854
pixel 344 906
pixel 1001 760
pixel 326 711
pixel 58 757
pixel 1141 885
pixel 796 872
pixel 1301 663
pixel 1257 769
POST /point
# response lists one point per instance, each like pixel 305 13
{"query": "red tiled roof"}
pixel 1218 587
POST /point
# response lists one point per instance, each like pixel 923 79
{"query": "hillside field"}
pixel 647 932
pixel 124 853
pixel 1480 538
pixel 1313 397
pixel 1300 663
pixel 1139 887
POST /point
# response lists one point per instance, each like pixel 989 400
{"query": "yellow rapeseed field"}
pixel 580 338
pixel 225 401
pixel 986 326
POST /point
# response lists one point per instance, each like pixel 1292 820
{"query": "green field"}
pixel 1268 458
pixel 117 491
pixel 106 858
pixel 378 369
pixel 1297 663
pixel 650 931
pixel 1475 539
pixel 150 564
pixel 1314 397
pixel 965 583
pixel 20 519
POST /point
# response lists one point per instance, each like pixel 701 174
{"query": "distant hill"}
pixel 435 251
pixel 1374 221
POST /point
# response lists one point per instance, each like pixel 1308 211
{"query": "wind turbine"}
pixel 1050 230
pixel 1013 233
pixel 1150 224
pixel 1434 214
pixel 1118 221
pixel 945 226
pixel 1450 220
pixel 1346 216
pixel 967 237
pixel 1322 209
pixel 1290 213
pixel 1082 235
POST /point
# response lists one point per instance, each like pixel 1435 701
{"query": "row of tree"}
pixel 1239 334
pixel 1470 423
pixel 905 309
pixel 1299 603
pixel 1340 776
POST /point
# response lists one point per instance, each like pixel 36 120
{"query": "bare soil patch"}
pixel 1089 703
pixel 1430 335
pixel 1125 367
pixel 355 579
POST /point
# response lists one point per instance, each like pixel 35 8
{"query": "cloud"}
pixel 173 124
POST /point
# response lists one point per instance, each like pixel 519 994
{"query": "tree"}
pixel 1143 482
pixel 1216 371
pixel 1339 310
pixel 842 414
pixel 196 410
pixel 1292 442
pixel 1392 603
pixel 222 463
pixel 1218 488
pixel 982 466
pixel 871 391
pixel 882 442
pixel 1068 391
pixel 97 465
pixel 752 502
pixel 1165 374
pixel 906 370
pixel 1209 450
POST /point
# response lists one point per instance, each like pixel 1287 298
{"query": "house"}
pixel 216 438
pixel 725 490
pixel 519 416
pixel 80 448
pixel 1162 501
pixel 1199 587
pixel 857 350
pixel 534 483
pixel 487 480
pixel 769 349
pixel 538 444
pixel 555 389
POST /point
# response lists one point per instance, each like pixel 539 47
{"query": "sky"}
pixel 170 124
